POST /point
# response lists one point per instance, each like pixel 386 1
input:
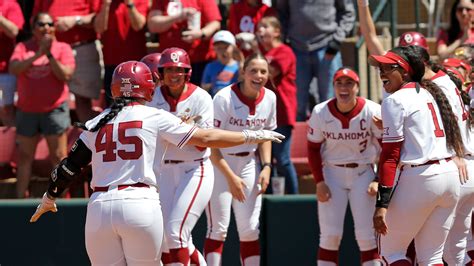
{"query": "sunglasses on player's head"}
pixel 43 24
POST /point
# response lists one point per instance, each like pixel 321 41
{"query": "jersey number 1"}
pixel 439 133
pixel 109 145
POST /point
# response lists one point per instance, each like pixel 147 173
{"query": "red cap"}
pixel 455 62
pixel 346 72
pixel 390 58
pixel 413 38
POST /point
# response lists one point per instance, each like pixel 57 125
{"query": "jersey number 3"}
pixel 109 145
pixel 439 133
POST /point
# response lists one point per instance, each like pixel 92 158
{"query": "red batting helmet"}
pixel 413 38
pixel 152 60
pixel 132 79
pixel 175 57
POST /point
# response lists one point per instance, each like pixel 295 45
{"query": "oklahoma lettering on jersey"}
pixel 124 150
pixel 346 138
pixel 413 117
pixel 193 102
pixel 461 111
pixel 234 111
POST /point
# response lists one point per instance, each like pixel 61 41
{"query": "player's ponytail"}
pixel 115 108
pixel 453 134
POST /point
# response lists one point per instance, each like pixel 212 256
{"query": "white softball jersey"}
pixel 424 138
pixel 233 111
pixel 193 102
pixel 124 150
pixel 459 108
pixel 347 138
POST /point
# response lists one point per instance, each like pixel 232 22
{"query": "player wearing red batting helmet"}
pixel 142 87
pixel 175 57
pixel 413 38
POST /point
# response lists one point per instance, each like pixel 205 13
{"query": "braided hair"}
pixel 451 128
pixel 466 99
pixel 115 108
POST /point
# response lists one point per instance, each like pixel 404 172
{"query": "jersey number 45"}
pixel 110 146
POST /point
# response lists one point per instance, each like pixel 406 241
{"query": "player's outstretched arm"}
pixel 218 138
pixel 62 177
pixel 367 27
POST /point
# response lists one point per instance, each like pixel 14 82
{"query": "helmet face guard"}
pixel 175 57
pixel 132 79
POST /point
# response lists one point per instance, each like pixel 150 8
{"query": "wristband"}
pixel 384 195
pixel 267 164
pixel 49 55
pixel 203 35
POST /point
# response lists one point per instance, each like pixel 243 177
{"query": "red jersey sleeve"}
pixel 14 14
pixel 389 159
pixel 315 161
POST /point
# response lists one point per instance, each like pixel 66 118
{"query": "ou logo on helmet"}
pixel 174 57
pixel 408 38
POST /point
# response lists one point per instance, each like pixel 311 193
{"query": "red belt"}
pixel 240 154
pixel 179 161
pixel 348 165
pixel 119 187
pixel 430 162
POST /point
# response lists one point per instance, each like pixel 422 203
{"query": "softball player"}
pixel 239 178
pixel 152 60
pixel 187 176
pixel 342 148
pixel 421 135
pixel 124 221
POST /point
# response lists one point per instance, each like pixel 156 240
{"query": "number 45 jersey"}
pixel 346 137
pixel 124 150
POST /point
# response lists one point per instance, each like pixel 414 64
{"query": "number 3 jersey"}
pixel 411 115
pixel 346 137
pixel 124 150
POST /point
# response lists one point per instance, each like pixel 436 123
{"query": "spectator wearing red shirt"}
pixel 187 24
pixel 121 25
pixel 74 19
pixel 11 21
pixel 245 15
pixel 282 68
pixel 460 31
pixel 42 65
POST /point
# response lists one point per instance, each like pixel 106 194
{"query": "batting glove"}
pixel 47 204
pixel 262 135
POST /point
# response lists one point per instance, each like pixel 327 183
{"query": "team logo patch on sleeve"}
pixel 217 123
pixel 385 130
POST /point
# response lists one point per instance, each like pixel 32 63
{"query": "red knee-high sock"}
pixel 401 263
pixel 194 258
pixel 328 255
pixel 369 255
pixel 411 252
pixel 249 249
pixel 180 255
pixel 166 258
pixel 211 245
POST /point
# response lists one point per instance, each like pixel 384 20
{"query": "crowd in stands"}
pixel 74 47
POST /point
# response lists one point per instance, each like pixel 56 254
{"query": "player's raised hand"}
pixel 373 188
pixel 262 135
pixel 47 204
pixel 380 225
pixel 236 188
pixel 323 193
